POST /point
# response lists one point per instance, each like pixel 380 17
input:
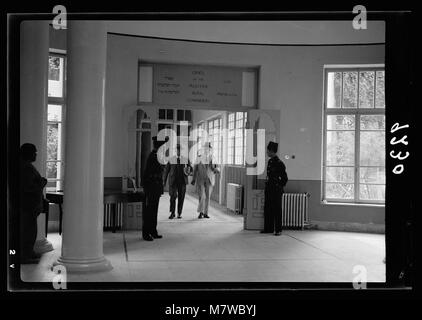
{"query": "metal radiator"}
pixel 108 215
pixel 234 197
pixel 295 210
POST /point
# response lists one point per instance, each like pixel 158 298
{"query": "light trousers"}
pixel 204 190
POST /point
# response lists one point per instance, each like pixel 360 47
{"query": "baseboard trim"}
pixel 347 226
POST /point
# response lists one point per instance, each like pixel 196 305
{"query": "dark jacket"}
pixel 171 168
pixel 276 173
pixel 31 188
pixel 153 176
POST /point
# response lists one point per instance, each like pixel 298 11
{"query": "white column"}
pixel 82 241
pixel 34 43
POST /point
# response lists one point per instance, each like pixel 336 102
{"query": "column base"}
pixel 42 246
pixel 84 265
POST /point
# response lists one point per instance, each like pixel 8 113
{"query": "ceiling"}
pixel 255 32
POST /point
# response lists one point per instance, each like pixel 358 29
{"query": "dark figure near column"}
pixel 153 188
pixel 177 171
pixel 31 202
pixel 276 180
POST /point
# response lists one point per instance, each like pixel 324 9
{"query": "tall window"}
pixel 236 143
pixel 215 138
pixel 354 146
pixel 55 121
pixel 200 134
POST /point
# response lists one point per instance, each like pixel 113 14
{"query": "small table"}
pixel 57 198
pixel 110 197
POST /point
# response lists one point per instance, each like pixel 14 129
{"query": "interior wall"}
pixel 290 79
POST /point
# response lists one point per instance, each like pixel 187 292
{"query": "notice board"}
pixel 197 85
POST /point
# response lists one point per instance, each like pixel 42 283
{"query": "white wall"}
pixel 291 80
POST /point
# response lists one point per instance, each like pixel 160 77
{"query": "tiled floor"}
pixel 218 249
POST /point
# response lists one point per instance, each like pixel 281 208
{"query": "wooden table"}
pixel 111 197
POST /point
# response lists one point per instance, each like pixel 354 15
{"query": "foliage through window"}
pixel 55 122
pixel 354 146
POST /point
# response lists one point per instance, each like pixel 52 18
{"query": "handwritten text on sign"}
pixel 191 85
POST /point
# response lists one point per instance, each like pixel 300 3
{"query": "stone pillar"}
pixel 82 241
pixel 34 44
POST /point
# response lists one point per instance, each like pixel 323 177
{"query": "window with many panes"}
pixel 55 121
pixel 354 139
pixel 236 142
pixel 215 138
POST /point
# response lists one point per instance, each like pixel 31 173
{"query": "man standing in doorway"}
pixel 153 188
pixel 177 169
pixel 276 180
pixel 204 173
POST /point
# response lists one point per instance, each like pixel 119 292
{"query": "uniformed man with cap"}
pixel 276 180
pixel 153 187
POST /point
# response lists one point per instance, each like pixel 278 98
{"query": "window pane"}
pixel 372 148
pixel 180 115
pixel 380 90
pixel 366 89
pixel 339 190
pixel 339 174
pixel 52 141
pixel 51 186
pixel 372 175
pixel 371 192
pixel 170 114
pixel 52 170
pixel 340 148
pixel 350 83
pixel 161 113
pixel 372 122
pixel 334 90
pixel 54 112
pixel 337 122
pixel 55 77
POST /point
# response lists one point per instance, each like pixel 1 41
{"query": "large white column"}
pixel 82 241
pixel 34 44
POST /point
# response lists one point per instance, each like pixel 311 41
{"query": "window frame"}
pixel 62 102
pixel 357 113
pixel 232 162
pixel 219 120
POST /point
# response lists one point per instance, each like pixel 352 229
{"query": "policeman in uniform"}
pixel 153 188
pixel 276 180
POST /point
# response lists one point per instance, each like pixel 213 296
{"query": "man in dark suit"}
pixel 276 180
pixel 153 188
pixel 31 202
pixel 177 171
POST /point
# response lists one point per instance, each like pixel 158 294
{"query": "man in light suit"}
pixel 177 171
pixel 204 173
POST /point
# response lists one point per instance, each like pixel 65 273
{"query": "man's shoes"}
pixel 263 231
pixel 179 216
pixel 148 238
pixel 157 236
pixel 277 233
pixel 172 216
pixel 206 216
pixel 201 215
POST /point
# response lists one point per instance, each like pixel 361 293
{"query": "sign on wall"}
pixel 197 85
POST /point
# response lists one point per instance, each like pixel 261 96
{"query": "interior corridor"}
pixel 219 250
